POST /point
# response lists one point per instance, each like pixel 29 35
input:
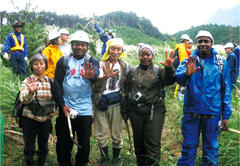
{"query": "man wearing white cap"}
pixel 75 74
pixel 109 94
pixel 63 45
pixel 232 62
pixel 207 100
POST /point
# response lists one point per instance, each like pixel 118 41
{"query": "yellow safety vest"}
pixel 18 47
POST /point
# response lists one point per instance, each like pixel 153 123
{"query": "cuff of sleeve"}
pixel 225 117
pixel 30 96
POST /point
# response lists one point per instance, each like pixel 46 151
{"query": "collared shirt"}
pixel 43 93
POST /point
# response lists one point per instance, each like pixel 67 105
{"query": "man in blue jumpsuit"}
pixel 207 101
pixel 232 63
pixel 237 53
pixel 16 45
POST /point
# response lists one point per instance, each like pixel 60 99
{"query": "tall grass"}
pixel 229 142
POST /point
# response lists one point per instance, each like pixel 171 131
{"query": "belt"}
pixel 148 105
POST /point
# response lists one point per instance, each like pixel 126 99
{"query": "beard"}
pixel 203 53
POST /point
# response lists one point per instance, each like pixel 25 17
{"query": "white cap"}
pixel 80 36
pixel 184 37
pixel 204 34
pixel 228 45
pixel 190 41
pixel 64 31
pixel 53 35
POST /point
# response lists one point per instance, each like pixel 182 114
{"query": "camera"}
pixel 137 96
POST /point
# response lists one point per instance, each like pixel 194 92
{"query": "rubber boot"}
pixel 116 153
pixel 105 156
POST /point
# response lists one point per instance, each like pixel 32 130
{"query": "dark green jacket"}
pixel 149 84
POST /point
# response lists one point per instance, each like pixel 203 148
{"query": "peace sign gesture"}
pixel 89 72
pixel 32 85
pixel 191 66
pixel 168 60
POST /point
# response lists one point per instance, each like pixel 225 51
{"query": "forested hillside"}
pixel 221 33
pixel 133 30
pixel 123 23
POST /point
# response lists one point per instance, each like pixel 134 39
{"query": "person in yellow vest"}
pixel 15 49
pixel 182 54
pixel 52 52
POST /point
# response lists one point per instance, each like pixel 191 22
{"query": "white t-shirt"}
pixel 113 83
pixel 65 49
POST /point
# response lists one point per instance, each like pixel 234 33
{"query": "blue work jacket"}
pixel 9 43
pixel 208 91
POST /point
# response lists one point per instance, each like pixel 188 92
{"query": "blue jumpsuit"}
pixel 208 91
pixel 237 53
pixel 232 63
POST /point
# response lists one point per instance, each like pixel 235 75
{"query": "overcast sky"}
pixel 169 16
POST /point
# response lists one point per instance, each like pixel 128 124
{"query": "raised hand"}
pixel 191 66
pixel 168 60
pixel 66 110
pixel 32 85
pixel 89 72
pixel 108 71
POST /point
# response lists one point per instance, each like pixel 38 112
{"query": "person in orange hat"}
pixel 15 49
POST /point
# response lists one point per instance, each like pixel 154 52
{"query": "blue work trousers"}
pixel 191 128
pixel 18 63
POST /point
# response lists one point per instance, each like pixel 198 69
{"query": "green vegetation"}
pixel 222 34
pixel 132 36
pixel 133 30
pixel 129 22
pixel 171 137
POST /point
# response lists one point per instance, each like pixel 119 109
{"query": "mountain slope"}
pixel 226 17
pixel 221 33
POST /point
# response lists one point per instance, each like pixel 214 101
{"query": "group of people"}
pixel 84 90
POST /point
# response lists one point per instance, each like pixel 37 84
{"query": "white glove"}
pixel 26 59
pixel 5 56
pixel 73 113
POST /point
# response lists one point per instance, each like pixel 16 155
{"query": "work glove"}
pixel 26 59
pixel 73 113
pixel 5 56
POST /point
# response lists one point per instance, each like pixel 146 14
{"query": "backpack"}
pixel 18 106
pixel 176 62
